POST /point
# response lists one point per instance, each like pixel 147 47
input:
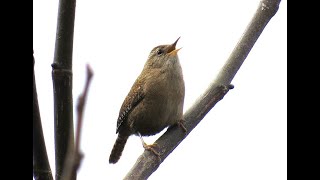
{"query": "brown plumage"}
pixel 155 100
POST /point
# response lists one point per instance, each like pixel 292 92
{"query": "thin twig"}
pixel 74 158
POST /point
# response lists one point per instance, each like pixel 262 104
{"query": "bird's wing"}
pixel 134 97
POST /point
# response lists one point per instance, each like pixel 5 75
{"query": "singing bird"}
pixel 155 100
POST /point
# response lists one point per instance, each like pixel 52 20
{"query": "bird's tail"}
pixel 118 148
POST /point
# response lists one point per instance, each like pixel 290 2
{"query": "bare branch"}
pixel 41 166
pixel 81 104
pixel 62 83
pixel 74 158
pixel 147 163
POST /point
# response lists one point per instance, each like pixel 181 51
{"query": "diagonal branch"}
pixel 41 167
pixel 62 83
pixel 147 163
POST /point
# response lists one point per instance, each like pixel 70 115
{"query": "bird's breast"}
pixel 162 105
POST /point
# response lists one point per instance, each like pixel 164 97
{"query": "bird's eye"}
pixel 159 52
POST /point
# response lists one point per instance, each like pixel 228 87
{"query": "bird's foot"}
pixel 151 147
pixel 181 123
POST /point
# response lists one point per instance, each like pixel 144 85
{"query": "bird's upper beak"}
pixel 172 48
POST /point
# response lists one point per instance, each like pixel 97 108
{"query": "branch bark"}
pixel 41 166
pixel 73 160
pixel 62 83
pixel 147 163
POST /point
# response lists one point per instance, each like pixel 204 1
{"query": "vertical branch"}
pixel 147 163
pixel 62 83
pixel 41 167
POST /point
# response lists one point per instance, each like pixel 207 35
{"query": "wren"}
pixel 155 100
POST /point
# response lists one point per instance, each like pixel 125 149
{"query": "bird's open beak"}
pixel 174 52
pixel 172 48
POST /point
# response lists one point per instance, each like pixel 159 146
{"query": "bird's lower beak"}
pixel 174 52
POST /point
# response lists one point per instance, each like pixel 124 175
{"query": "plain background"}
pixel 243 137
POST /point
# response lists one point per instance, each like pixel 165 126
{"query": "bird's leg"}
pixel 149 147
pixel 181 125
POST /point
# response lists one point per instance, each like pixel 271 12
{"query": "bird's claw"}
pixel 181 123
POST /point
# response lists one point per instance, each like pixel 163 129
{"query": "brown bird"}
pixel 155 100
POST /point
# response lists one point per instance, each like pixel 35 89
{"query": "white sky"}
pixel 243 137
